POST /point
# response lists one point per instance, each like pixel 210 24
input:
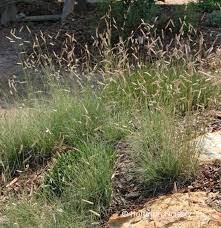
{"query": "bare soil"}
pixel 8 56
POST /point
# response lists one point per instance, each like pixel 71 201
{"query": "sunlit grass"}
pixel 76 128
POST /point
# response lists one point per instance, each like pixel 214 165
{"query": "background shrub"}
pixel 208 5
pixel 214 19
pixel 128 15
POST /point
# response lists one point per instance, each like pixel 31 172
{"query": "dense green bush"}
pixel 214 19
pixel 208 5
pixel 127 16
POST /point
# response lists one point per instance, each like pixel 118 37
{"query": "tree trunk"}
pixel 68 8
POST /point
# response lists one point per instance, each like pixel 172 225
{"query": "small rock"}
pixel 209 146
pixel 132 195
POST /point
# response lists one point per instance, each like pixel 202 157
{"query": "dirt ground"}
pixel 8 57
pixel 8 52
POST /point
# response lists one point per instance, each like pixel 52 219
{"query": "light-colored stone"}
pixel 209 146
pixel 174 2
pixel 183 210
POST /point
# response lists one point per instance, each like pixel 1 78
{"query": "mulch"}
pixel 45 7
pixel 208 180
pixel 128 191
pixel 26 182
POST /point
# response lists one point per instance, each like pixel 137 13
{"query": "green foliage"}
pixel 77 188
pixel 163 155
pixel 129 15
pixel 214 19
pixel 203 6
pixel 28 213
pixel 185 16
pixel 167 87
pixel 25 139
pixel 127 18
pixel 83 176
pixel 31 135
pixel 36 213
pixel 208 5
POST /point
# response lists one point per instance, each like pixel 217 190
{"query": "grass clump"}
pixel 163 153
pixel 25 139
pixel 77 190
pixel 29 213
pixel 171 87
pixel 84 174
pixel 34 213
pixel 79 131
pixel 31 135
